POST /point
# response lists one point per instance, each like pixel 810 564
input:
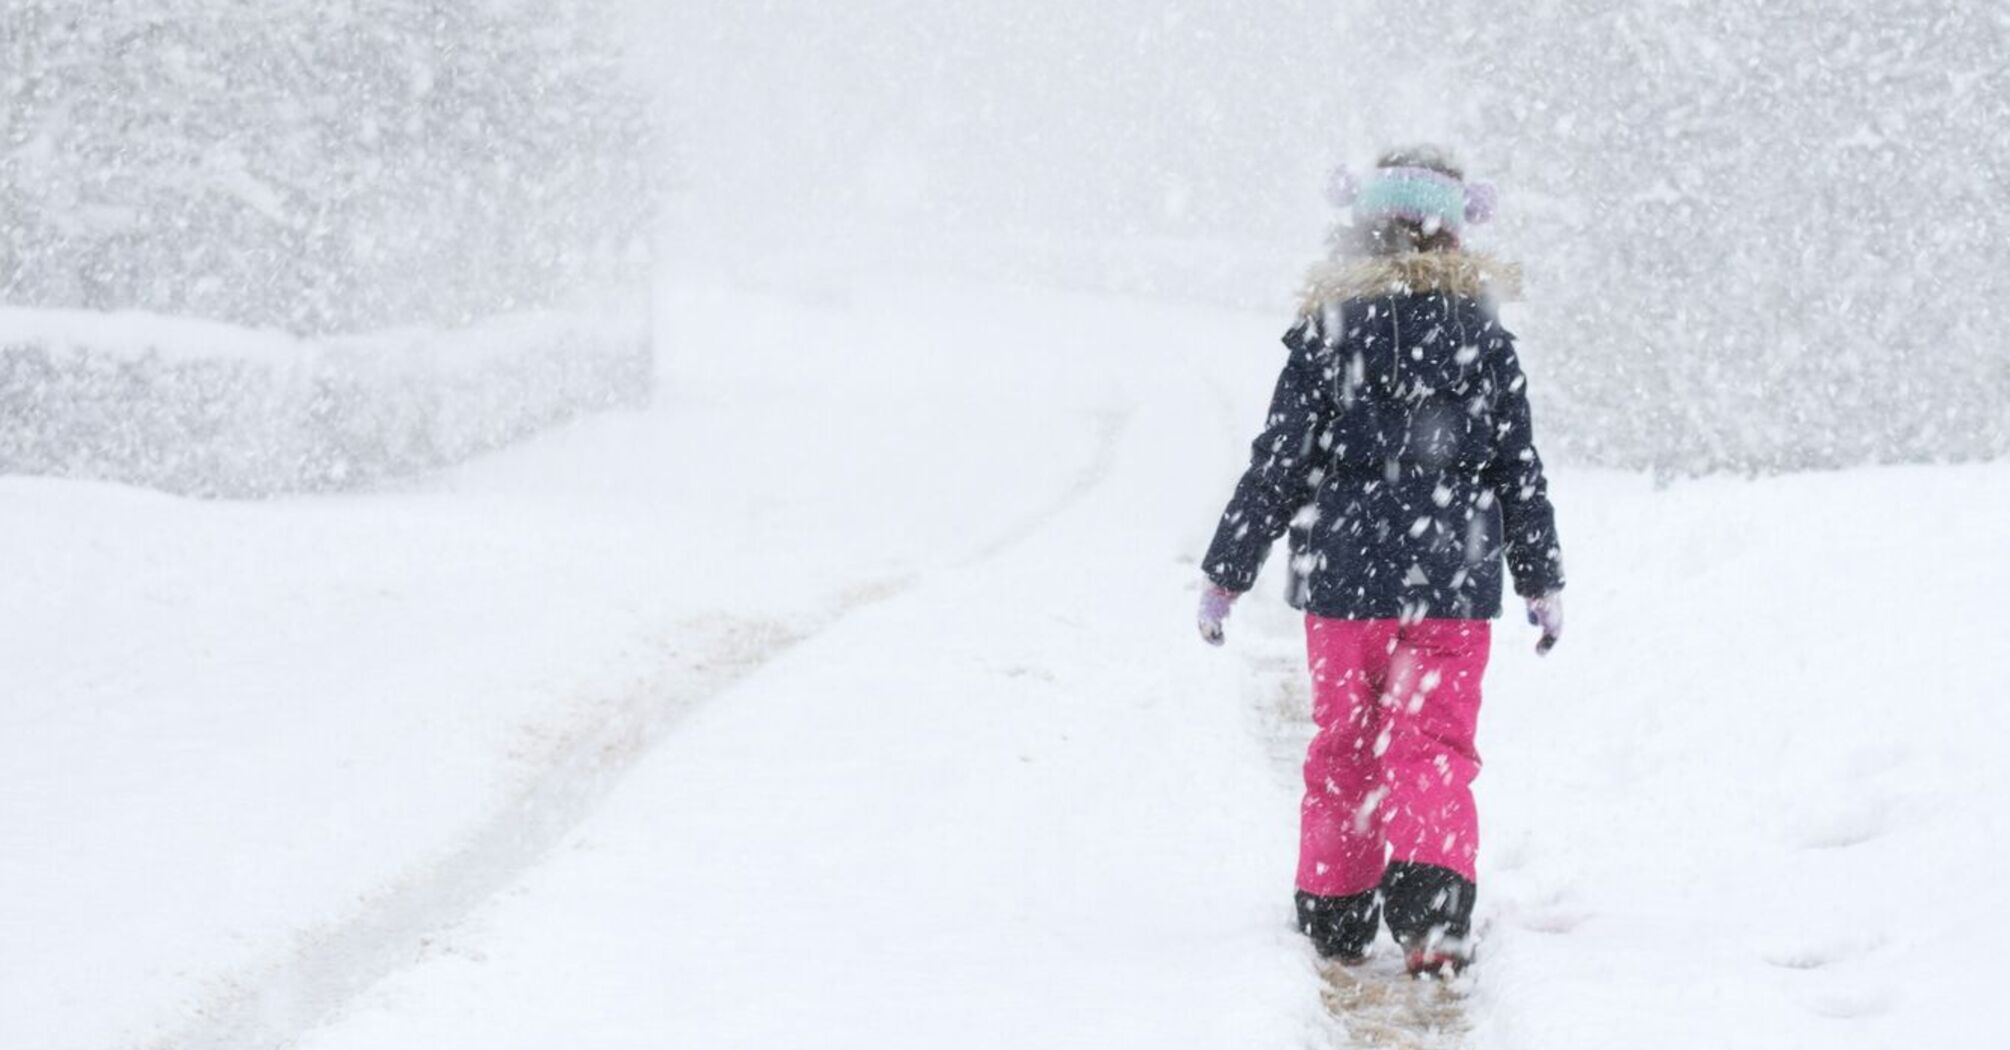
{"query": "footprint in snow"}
pixel 1816 954
pixel 1553 920
pixel 1854 1003
pixel 1842 828
pixel 1556 911
pixel 1878 759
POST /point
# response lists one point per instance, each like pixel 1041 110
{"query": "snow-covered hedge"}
pixel 207 409
pixel 318 167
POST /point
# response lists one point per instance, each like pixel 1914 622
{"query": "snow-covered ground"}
pixel 849 697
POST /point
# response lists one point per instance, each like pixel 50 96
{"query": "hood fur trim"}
pixel 1469 274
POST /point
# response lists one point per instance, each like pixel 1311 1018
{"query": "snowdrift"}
pixel 205 409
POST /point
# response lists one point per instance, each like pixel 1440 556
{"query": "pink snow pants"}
pixel 1390 771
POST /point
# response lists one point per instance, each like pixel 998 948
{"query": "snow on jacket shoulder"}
pixel 1400 447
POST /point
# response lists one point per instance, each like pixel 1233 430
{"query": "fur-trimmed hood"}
pixel 1470 274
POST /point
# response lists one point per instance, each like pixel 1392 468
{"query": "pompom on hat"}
pixel 1342 188
pixel 1481 200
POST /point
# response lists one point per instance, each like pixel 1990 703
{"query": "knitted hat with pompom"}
pixel 1422 184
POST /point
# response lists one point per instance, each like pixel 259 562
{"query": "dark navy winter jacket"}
pixel 1398 448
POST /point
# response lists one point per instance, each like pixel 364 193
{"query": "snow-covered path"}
pixel 850 698
pixel 995 810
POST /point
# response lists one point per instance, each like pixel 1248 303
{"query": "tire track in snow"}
pixel 325 969
pixel 1109 427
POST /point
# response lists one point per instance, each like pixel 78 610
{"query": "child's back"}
pixel 1398 451
pixel 1398 439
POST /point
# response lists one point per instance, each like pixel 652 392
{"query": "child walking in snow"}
pixel 1398 452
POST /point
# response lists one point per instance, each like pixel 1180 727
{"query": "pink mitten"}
pixel 1215 602
pixel 1546 612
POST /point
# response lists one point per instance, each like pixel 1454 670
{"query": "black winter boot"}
pixel 1340 927
pixel 1430 911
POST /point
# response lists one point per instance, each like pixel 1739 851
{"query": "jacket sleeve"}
pixel 1280 476
pixel 1515 476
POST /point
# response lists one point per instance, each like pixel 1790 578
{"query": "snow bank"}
pixel 207 409
pixel 1756 798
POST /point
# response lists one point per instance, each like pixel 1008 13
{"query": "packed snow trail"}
pixel 379 708
pixel 240 733
pixel 998 809
pixel 329 967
